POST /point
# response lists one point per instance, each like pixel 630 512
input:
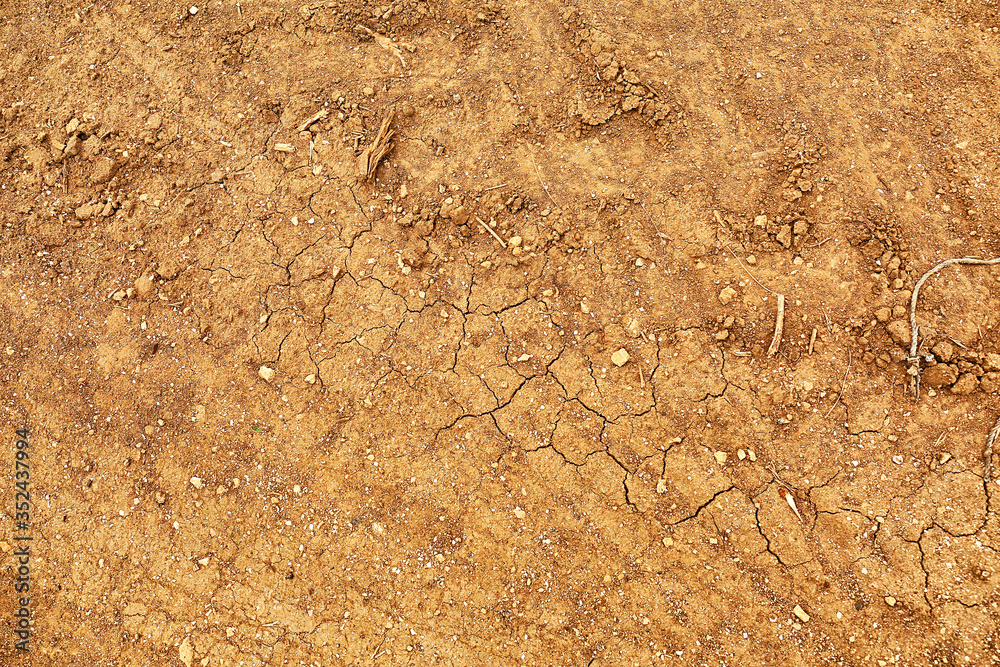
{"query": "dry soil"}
pixel 293 404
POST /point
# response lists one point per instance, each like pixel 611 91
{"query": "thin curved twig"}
pixel 914 360
pixel 843 385
pixel 766 289
pixel 988 455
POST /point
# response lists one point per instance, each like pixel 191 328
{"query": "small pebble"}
pixel 891 601
pixel 266 373
pixel 720 457
pixel 196 482
pixel 741 454
pixel 801 613
pixel 753 457
pixel 620 358
pixel 193 10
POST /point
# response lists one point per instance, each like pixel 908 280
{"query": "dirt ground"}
pixel 292 402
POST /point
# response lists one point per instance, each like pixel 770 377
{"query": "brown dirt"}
pixel 291 404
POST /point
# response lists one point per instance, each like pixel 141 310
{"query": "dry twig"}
pixel 829 326
pixel 843 385
pixel 544 187
pixel 495 235
pixel 748 271
pixel 653 222
pixel 319 115
pixel 914 360
pixel 778 325
pixel 988 455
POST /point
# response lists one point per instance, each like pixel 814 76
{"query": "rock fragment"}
pixel 620 358
pixel 939 375
pixel 943 351
pixel 990 382
pixel 899 331
pixel 966 384
pixel 104 169
pixel 186 652
pixel 144 285
pixel 992 362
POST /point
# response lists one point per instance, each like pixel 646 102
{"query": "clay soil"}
pixel 507 393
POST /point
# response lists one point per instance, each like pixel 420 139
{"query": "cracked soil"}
pixel 292 403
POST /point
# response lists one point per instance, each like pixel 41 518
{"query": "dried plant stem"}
pixel 779 323
pixel 651 221
pixel 988 455
pixel 914 360
pixel 544 187
pixel 370 158
pixel 748 271
pixel 843 385
pixel 495 235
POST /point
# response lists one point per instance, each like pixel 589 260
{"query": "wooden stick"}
pixel 494 187
pixel 812 340
pixel 778 326
pixel 495 235
pixel 319 115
